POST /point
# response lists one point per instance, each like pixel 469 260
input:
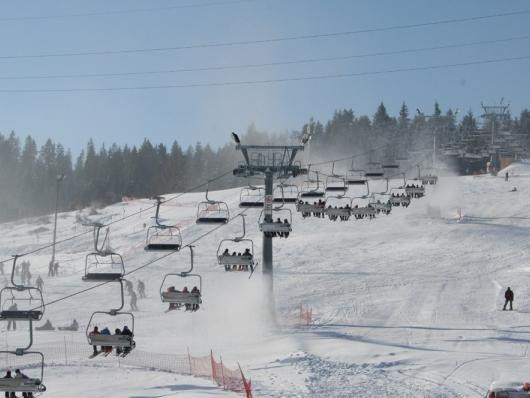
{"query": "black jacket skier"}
pixel 508 295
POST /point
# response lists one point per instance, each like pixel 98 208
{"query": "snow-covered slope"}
pixel 405 305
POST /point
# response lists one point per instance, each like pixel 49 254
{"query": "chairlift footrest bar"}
pixel 159 247
pixel 102 277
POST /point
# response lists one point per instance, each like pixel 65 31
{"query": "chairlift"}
pixel 252 197
pixel 399 197
pixel 362 210
pixel 355 177
pixel 430 178
pixel 179 298
pixel 276 227
pixel 121 341
pixel 212 211
pixel 310 190
pixel 24 385
pixel 237 260
pixel 162 237
pixel 307 209
pixel 103 267
pixel 338 208
pixel 335 182
pixel 390 164
pixel 29 298
pixel 286 193
pixel 380 206
pixel 375 170
pixel 413 189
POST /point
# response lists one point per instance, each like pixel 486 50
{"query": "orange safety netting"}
pixel 232 380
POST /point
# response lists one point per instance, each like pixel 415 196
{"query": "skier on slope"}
pixel 134 307
pixel 506 177
pixel 508 295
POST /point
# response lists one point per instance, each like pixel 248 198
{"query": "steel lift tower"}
pixel 269 161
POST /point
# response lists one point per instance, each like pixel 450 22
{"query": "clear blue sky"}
pixel 208 114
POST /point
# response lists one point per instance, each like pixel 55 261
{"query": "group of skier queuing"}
pixel 18 375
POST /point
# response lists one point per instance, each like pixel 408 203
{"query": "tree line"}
pixel 98 177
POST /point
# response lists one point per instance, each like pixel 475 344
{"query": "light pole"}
pixel 59 179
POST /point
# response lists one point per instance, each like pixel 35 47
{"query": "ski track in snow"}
pixel 404 306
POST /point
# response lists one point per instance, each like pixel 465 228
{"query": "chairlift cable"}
pixel 280 39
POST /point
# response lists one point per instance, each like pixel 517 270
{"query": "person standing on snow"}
pixel 134 307
pixel 506 177
pixel 508 295
pixel 40 283
pixel 141 289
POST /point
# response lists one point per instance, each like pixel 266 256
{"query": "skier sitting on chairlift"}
pixel 172 306
pixel 127 332
pixel 195 290
pixel 20 375
pixel 119 350
pixel 106 332
pixel 185 290
pixel 94 332
pixel 286 234
pixel 9 394
pixel 280 234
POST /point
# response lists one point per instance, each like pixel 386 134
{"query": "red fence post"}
pixel 246 385
pixel 214 376
pixel 222 372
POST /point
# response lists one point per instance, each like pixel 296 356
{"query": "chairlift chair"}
pixel 390 164
pixel 112 340
pixel 17 294
pixel 428 179
pixel 212 211
pixel 375 170
pixel 398 197
pixel 103 266
pixel 180 298
pixel 252 197
pixel 169 294
pixel 276 228
pixel 237 261
pixel 162 237
pixel 286 193
pixel 362 210
pixel 355 177
pixel 335 182
pixel 310 190
pixel 338 207
pixel 380 206
pixel 307 208
pixel 22 385
pixel 414 191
